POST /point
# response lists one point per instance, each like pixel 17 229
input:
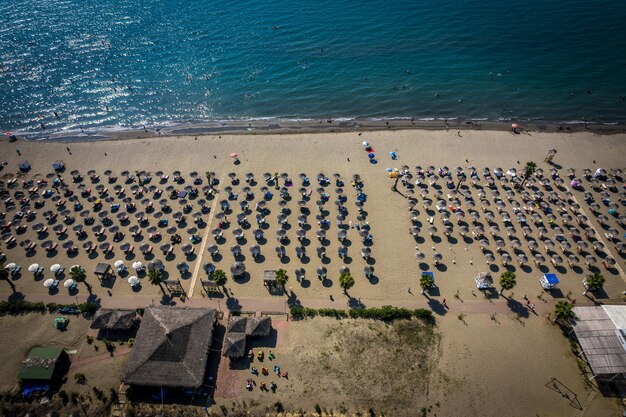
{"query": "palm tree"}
pixel 4 276
pixel 563 311
pixel 529 170
pixel 281 277
pixel 346 280
pixel 78 274
pixel 426 282
pixel 593 282
pixel 507 280
pixel 220 278
pixel 155 277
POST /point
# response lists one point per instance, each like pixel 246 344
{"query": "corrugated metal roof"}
pixel 598 337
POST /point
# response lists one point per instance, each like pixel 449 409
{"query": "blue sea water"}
pixel 130 63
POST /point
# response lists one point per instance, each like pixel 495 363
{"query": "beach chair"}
pixel 55 284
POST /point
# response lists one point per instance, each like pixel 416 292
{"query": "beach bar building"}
pixel 43 368
pixel 601 333
pixel 239 329
pixel 171 348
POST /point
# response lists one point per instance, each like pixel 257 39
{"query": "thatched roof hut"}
pixel 110 319
pixel 171 347
pixel 237 325
pixel 261 326
pixel 234 345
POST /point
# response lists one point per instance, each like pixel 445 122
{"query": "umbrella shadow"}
pixel 437 307
pixel 243 278
pixel 232 304
pixel 355 303
pixel 327 283
pixel 517 308
pixel 373 279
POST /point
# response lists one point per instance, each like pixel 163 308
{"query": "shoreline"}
pixel 291 126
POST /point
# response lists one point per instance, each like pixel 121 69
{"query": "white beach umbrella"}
pixel 118 263
pixel 10 267
pixel 55 268
pixel 33 268
pixel 133 280
pixel 48 283
pixel 137 265
pixel 68 283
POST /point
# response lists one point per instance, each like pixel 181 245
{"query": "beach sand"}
pixel 22 333
pixel 479 366
pixel 482 359
pixel 393 250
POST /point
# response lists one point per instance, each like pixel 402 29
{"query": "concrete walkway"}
pixel 205 239
pixel 476 305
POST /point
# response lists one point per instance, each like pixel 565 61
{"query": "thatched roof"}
pixel 171 347
pixel 237 325
pixel 258 326
pixel 234 345
pixel 114 319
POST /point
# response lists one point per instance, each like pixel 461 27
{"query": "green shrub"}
pixel 20 307
pixel 52 307
pixel 87 308
pixel 297 312
pixel 80 378
pixel 330 312
pixel 385 313
pixel 425 315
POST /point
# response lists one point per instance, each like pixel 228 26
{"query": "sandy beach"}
pixel 393 248
pixel 485 338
